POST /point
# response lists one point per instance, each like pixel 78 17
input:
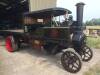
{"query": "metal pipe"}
pixel 80 7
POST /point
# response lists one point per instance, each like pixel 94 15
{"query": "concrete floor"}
pixel 27 61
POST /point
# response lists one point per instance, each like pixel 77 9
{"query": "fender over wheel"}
pixel 71 61
pixel 11 44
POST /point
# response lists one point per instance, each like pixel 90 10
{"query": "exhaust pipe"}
pixel 80 7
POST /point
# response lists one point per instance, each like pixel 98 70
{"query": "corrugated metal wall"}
pixel 42 4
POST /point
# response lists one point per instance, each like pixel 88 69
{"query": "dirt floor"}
pixel 27 61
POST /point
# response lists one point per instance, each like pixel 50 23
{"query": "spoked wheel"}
pixel 86 53
pixel 71 61
pixel 11 44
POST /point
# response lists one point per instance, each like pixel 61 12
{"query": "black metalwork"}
pixel 79 38
pixel 86 53
pixel 53 36
pixel 71 61
pixel 11 12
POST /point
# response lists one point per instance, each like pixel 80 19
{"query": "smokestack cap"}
pixel 80 3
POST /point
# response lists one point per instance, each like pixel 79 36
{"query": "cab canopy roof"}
pixel 48 12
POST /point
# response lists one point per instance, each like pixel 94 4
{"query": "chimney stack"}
pixel 80 7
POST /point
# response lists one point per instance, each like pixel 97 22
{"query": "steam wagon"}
pixel 44 29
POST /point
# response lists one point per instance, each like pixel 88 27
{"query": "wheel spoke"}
pixel 75 66
pixel 89 54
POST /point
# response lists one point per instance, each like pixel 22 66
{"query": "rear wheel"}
pixel 11 44
pixel 71 61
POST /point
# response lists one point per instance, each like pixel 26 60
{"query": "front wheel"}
pixel 71 61
pixel 11 44
pixel 86 53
